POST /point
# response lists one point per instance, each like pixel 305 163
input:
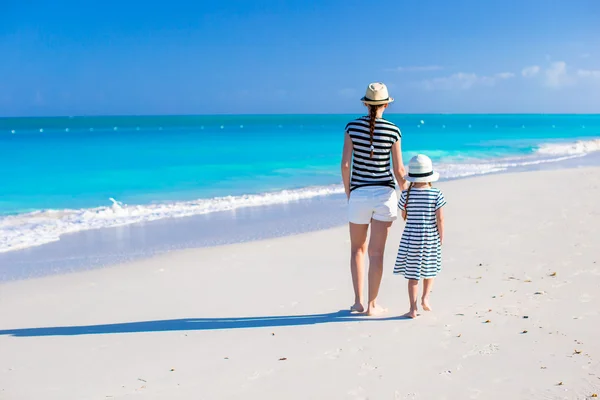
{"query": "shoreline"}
pixel 103 247
pixel 517 297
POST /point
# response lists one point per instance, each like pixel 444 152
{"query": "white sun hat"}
pixel 377 94
pixel 420 170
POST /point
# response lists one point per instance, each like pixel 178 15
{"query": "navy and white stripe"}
pixel 420 251
pixel 367 171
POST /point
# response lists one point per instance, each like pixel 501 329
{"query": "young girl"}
pixel 420 253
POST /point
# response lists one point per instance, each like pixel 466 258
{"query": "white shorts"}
pixel 372 202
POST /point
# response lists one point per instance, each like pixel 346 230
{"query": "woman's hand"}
pixel 404 185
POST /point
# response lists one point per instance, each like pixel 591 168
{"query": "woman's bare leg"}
pixel 358 248
pixel 379 234
pixel 413 294
pixel 427 285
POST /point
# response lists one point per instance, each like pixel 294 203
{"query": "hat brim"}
pixel 423 179
pixel 377 102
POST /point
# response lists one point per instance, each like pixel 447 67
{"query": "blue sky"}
pixel 71 57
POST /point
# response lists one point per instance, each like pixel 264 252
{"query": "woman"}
pixel 371 191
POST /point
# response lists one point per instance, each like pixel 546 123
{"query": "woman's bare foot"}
pixel 375 311
pixel 357 308
pixel 425 304
pixel 411 314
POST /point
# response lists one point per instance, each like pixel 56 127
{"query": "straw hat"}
pixel 377 94
pixel 420 170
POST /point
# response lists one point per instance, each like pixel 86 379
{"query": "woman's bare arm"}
pixel 398 166
pixel 439 216
pixel 346 160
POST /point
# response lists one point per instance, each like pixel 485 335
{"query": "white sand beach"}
pixel 516 313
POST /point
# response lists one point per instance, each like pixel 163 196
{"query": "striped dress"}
pixel 367 170
pixel 420 251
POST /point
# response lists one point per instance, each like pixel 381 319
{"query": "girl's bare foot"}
pixel 425 304
pixel 374 311
pixel 357 308
pixel 411 314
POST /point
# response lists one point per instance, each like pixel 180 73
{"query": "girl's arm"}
pixel 346 159
pixel 398 166
pixel 439 216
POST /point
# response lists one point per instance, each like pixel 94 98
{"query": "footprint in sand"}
pixel 259 374
pixel 451 371
pixel 333 354
pixel 447 374
pixel 561 284
pixel 487 349
pixel 254 376
pixel 448 330
pixel 358 393
pixel 407 396
pixel 366 368
pixel 585 298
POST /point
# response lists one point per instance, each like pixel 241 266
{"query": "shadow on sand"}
pixel 195 324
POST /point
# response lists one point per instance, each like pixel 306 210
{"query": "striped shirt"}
pixel 421 208
pixel 367 171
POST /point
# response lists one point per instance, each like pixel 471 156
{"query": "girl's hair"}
pixel 372 120
pixel 407 195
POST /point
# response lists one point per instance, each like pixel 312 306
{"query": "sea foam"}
pixel 579 147
pixel 40 227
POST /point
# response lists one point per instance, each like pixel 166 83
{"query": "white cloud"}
pixel 504 75
pixel 589 73
pixel 528 72
pixel 464 81
pixel 557 75
pixel 423 68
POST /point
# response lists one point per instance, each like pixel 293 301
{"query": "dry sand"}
pixel 516 313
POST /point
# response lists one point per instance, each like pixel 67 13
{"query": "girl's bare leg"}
pixel 413 295
pixel 379 234
pixel 358 248
pixel 427 285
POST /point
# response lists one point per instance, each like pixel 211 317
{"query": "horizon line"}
pixel 281 114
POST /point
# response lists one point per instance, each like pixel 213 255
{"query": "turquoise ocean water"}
pixel 69 174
